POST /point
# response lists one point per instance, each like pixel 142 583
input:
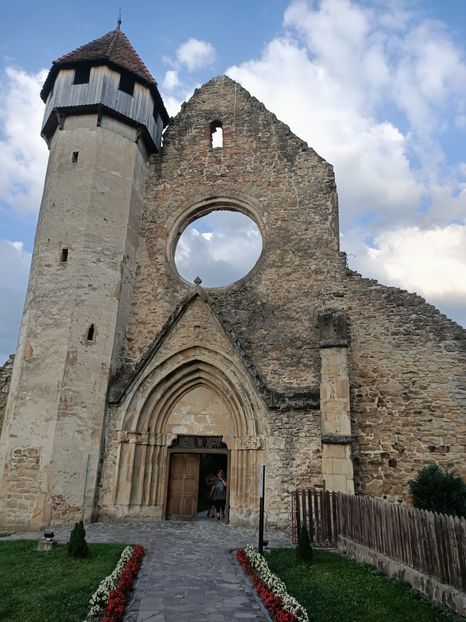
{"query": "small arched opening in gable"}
pixel 216 134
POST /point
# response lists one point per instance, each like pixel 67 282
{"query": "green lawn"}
pixel 49 586
pixel 336 589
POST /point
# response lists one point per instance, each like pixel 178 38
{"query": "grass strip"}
pixel 50 586
pixel 334 588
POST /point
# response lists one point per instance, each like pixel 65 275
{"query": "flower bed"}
pixel 109 599
pixel 271 590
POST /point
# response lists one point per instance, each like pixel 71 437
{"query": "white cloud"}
pixel 370 157
pixel 345 44
pixel 14 270
pixel 171 80
pixel 342 67
pixel 173 104
pixel 195 54
pixel 23 153
pixel 221 248
pixel 374 89
pixel 178 85
pixel 428 76
pixel 430 262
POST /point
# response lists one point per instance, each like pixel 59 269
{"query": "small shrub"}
pixel 77 545
pixel 304 551
pixel 437 490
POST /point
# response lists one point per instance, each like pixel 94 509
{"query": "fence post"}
pixel 303 508
pixel 311 516
pixel 334 521
pixel 298 514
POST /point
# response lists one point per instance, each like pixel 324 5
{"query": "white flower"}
pixel 275 584
pixel 100 597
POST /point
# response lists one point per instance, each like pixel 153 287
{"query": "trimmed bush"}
pixel 438 490
pixel 304 551
pixel 77 545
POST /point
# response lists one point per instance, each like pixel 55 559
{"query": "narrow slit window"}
pixel 64 255
pixel 74 157
pixel 91 332
pixel 216 135
pixel 82 75
pixel 126 83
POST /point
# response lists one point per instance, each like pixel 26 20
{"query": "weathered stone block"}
pixel 333 327
pixel 46 545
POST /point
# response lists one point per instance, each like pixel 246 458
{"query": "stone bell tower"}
pixel 103 118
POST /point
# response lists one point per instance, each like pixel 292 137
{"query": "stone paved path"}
pixel 188 573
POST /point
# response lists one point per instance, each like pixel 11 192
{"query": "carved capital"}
pixel 140 438
pixel 122 436
pixel 250 442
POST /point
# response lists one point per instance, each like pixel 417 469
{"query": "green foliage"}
pixel 438 490
pixel 336 589
pixel 37 586
pixel 304 551
pixel 77 545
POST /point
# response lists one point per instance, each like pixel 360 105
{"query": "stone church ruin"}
pixel 126 374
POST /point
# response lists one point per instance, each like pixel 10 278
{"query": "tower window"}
pixel 74 157
pixel 216 135
pixel 82 75
pixel 64 255
pixel 91 332
pixel 126 83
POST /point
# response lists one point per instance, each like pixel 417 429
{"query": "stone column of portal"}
pixel 337 465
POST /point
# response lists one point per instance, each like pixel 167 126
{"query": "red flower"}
pixel 115 608
pixel 272 602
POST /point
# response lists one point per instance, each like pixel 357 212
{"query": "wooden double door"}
pixel 183 486
pixel 186 494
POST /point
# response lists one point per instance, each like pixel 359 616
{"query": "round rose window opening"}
pixel 220 248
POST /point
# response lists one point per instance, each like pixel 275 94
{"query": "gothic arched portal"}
pixel 197 391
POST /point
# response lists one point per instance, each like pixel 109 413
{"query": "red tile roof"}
pixel 113 49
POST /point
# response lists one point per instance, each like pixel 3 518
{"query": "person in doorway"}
pixel 209 482
pixel 219 494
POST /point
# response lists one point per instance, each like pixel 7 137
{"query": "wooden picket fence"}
pixel 434 544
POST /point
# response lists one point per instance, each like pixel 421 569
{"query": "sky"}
pixel 376 87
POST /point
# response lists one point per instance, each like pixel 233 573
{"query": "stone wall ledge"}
pixel 333 343
pixel 335 439
pixel 428 586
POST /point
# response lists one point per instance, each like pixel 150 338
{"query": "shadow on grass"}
pixel 335 589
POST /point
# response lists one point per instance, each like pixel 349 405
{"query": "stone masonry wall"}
pixel 5 378
pixel 23 469
pixel 408 385
pixel 267 172
pixel 407 362
pixel 291 193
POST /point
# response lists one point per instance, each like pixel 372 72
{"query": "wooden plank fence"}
pixel 434 544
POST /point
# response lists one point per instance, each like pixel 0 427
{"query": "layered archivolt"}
pixel 158 391
pixel 197 391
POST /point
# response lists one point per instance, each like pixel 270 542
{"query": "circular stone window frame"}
pixel 203 208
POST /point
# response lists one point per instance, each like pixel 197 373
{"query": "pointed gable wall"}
pixel 275 177
pixel 406 361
